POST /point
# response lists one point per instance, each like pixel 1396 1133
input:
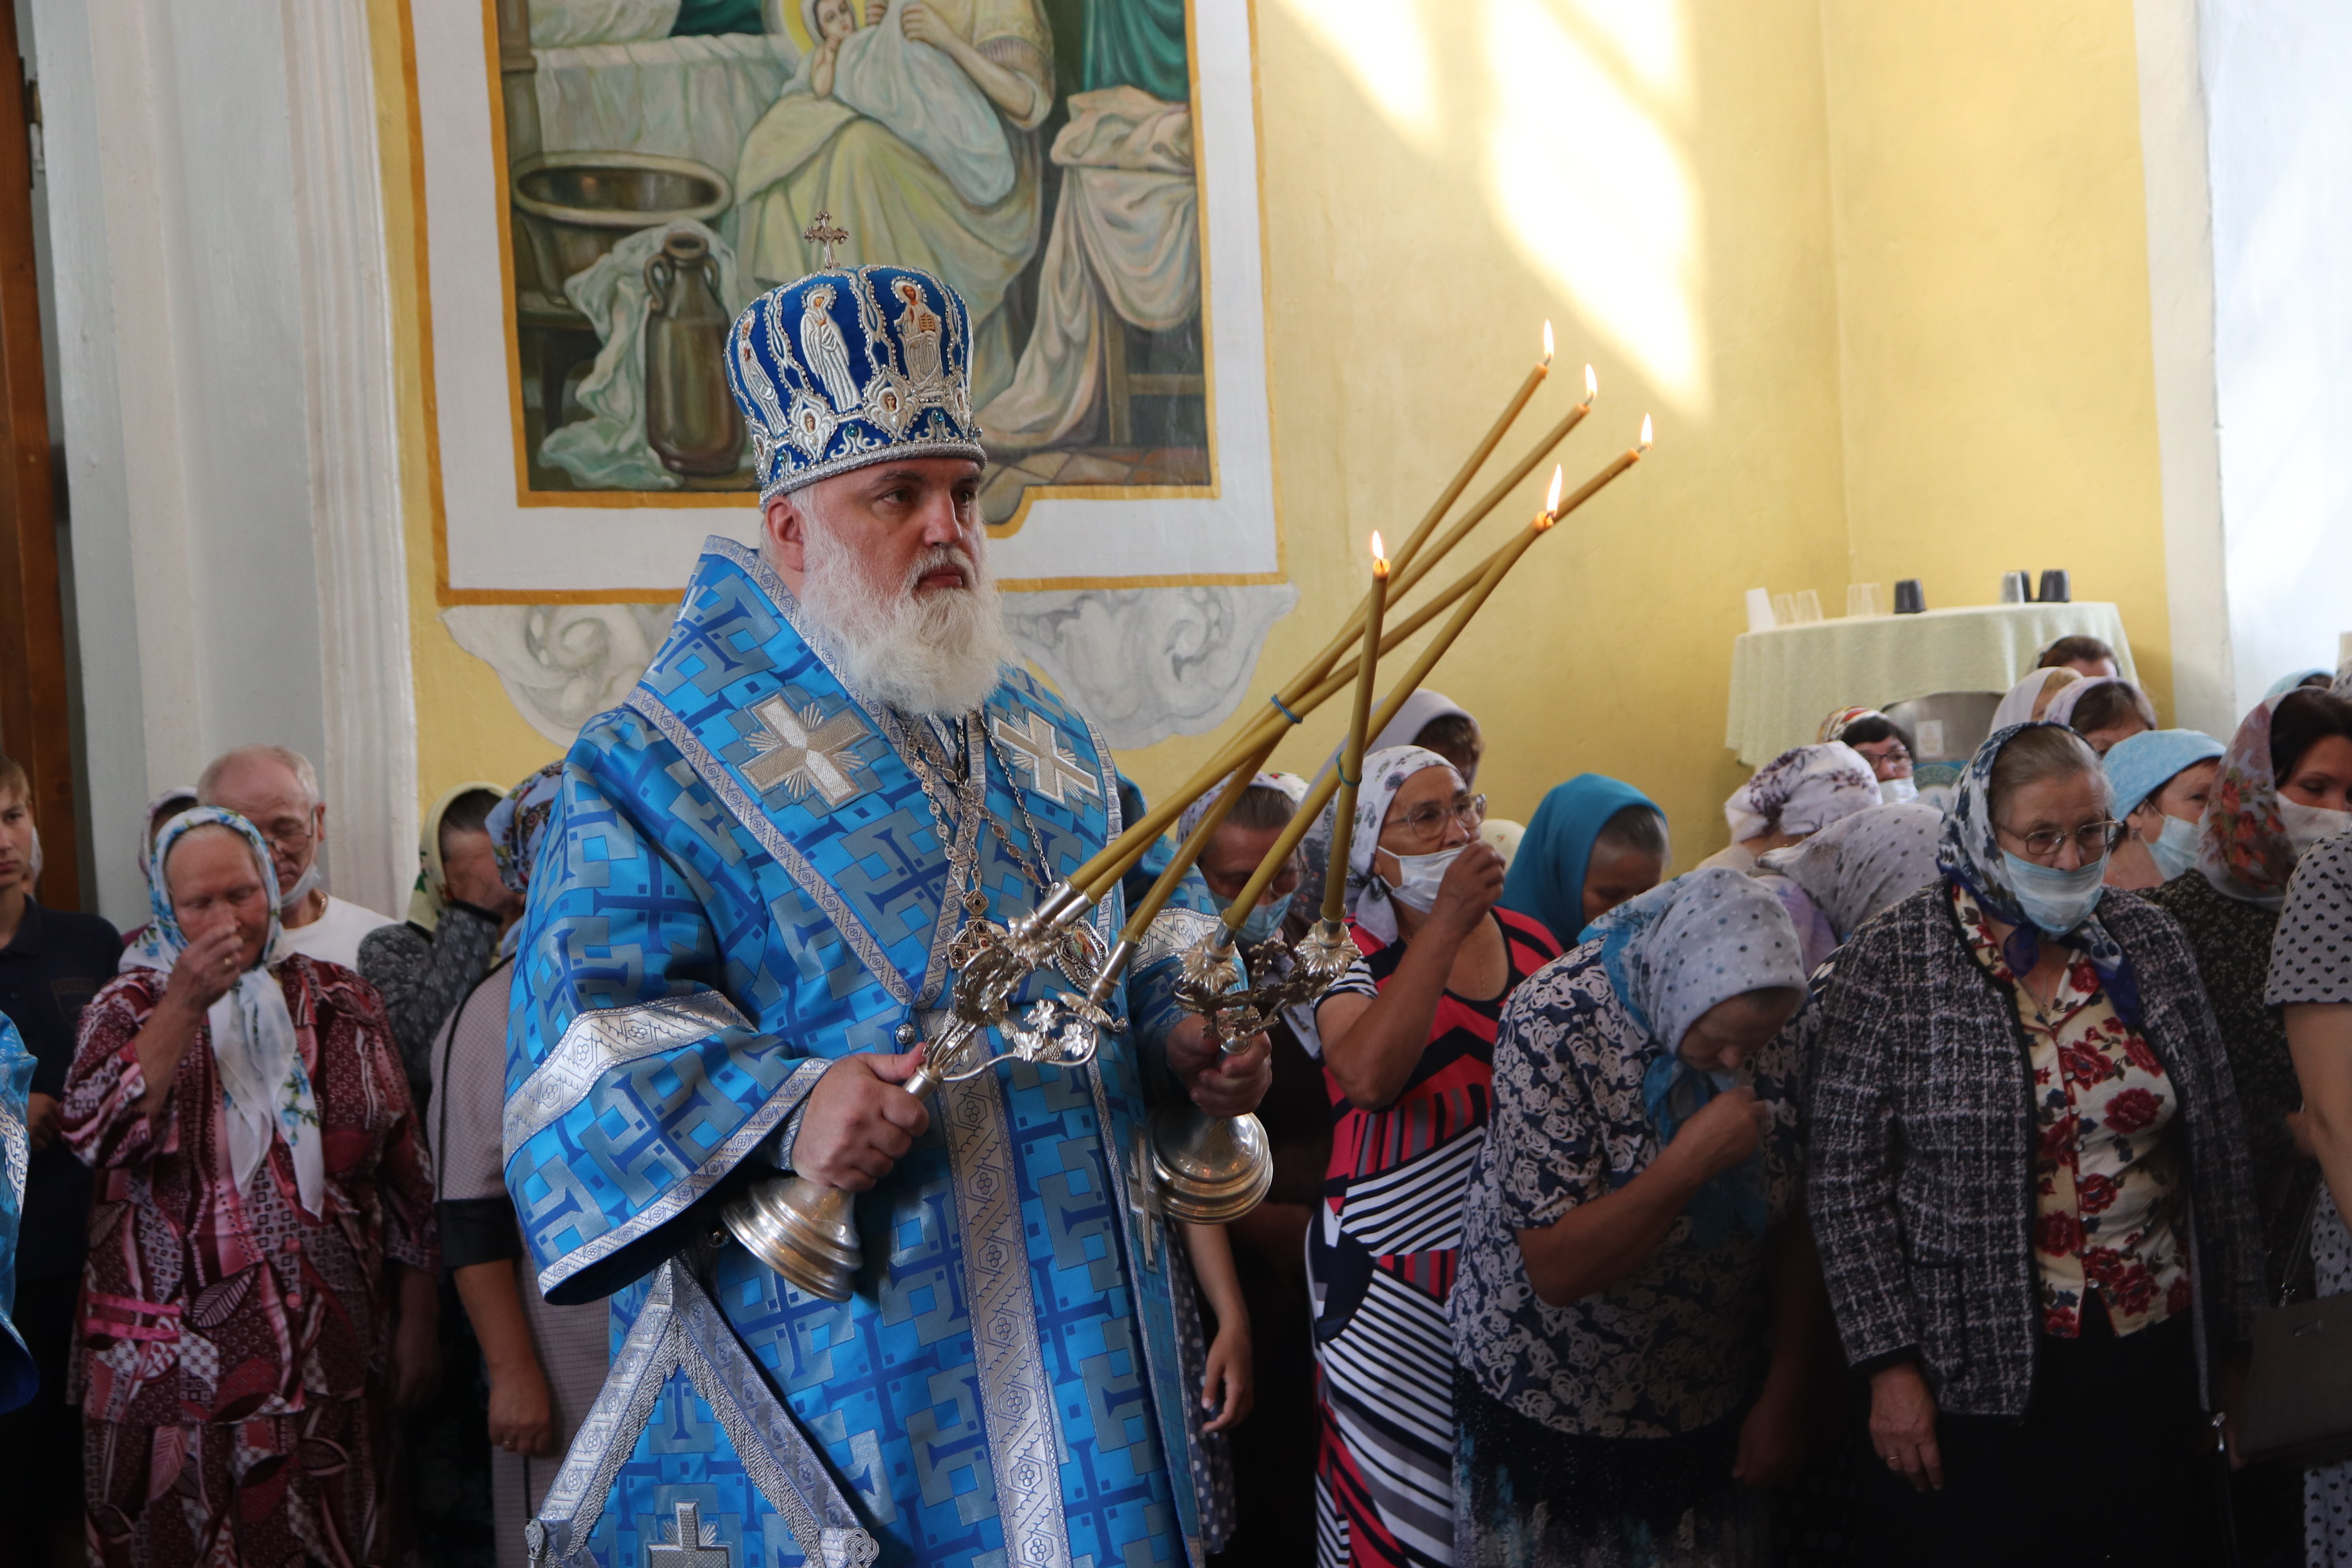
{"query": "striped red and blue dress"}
pixel 1381 1264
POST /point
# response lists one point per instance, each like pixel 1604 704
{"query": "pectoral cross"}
pixel 826 233
pixel 1039 750
pixel 1143 1199
pixel 690 1550
pixel 804 751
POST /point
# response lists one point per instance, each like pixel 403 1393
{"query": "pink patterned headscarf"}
pixel 2245 852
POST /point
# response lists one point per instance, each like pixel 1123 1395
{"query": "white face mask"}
pixel 304 886
pixel 1895 792
pixel 2307 825
pixel 1419 876
pixel 2174 850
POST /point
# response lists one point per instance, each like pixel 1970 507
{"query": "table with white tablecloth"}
pixel 1786 680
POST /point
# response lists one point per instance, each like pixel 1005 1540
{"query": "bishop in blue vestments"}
pixel 736 943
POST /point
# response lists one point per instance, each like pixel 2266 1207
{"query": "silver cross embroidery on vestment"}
pixel 1038 749
pixel 804 751
pixel 696 1545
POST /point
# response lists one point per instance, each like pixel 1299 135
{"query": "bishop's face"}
pixel 890 516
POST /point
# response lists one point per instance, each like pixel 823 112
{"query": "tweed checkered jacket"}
pixel 1922 1142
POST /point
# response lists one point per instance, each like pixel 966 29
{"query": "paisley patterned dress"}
pixel 1381 1264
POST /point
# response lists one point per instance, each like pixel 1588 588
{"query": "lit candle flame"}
pixel 1645 433
pixel 1547 359
pixel 1552 497
pixel 1592 385
pixel 1380 557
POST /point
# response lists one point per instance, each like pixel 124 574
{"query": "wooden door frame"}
pixel 35 715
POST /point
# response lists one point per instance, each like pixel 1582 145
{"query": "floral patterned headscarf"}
pixel 1854 868
pixel 2244 851
pixel 265 1088
pixel 1970 856
pixel 1384 775
pixel 1288 785
pixel 1802 790
pixel 517 824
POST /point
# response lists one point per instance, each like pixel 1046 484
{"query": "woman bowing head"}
pixel 259 1286
pixel 1630 1239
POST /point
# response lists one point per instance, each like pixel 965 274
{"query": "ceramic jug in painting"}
pixel 691 421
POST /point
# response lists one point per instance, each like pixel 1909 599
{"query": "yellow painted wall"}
pixel 1878 268
pixel 1992 258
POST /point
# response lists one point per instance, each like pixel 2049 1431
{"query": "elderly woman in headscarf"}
pixel 2280 788
pixel 2104 709
pixel 259 1283
pixel 2162 780
pixel 1798 793
pixel 1592 844
pixel 1851 870
pixel 1880 741
pixel 545 1363
pixel 1627 1247
pixel 2029 1184
pixel 1407 1041
pixel 2029 700
pixel 457 913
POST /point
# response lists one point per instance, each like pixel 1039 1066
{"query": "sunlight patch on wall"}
pixel 1648 38
pixel 1592 187
pixel 1386 46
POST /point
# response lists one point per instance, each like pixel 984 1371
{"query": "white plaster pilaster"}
pixel 369 772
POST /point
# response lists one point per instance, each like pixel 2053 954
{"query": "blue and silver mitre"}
pixel 853 366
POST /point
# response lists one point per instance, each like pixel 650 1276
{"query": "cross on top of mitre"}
pixel 824 233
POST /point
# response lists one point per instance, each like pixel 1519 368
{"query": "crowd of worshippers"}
pixel 1896 1185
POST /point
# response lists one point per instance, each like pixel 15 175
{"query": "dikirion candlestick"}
pixel 1407 567
pixel 1351 755
pixel 1268 731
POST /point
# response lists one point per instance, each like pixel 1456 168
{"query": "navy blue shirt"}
pixel 48 974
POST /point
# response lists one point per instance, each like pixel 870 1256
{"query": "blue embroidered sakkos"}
pixel 744 879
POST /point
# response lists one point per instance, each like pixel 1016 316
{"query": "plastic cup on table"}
pixel 1784 609
pixel 1862 601
pixel 2012 587
pixel 1908 599
pixel 2056 587
pixel 1809 607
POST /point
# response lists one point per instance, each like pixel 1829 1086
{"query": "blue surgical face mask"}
pixel 1266 919
pixel 2055 902
pixel 2173 850
pixel 1895 792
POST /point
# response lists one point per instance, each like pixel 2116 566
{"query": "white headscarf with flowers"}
pixel 265 1088
pixel 1384 775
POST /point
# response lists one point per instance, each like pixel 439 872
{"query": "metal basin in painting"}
pixel 572 207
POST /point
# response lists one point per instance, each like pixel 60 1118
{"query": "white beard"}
pixel 940 653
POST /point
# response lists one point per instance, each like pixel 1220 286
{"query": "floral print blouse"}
pixel 1679 1343
pixel 2107 1186
pixel 203 1302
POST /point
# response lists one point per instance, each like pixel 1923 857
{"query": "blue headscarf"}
pixel 2141 765
pixel 266 1091
pixel 2288 683
pixel 1672 954
pixel 1969 855
pixel 1546 876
